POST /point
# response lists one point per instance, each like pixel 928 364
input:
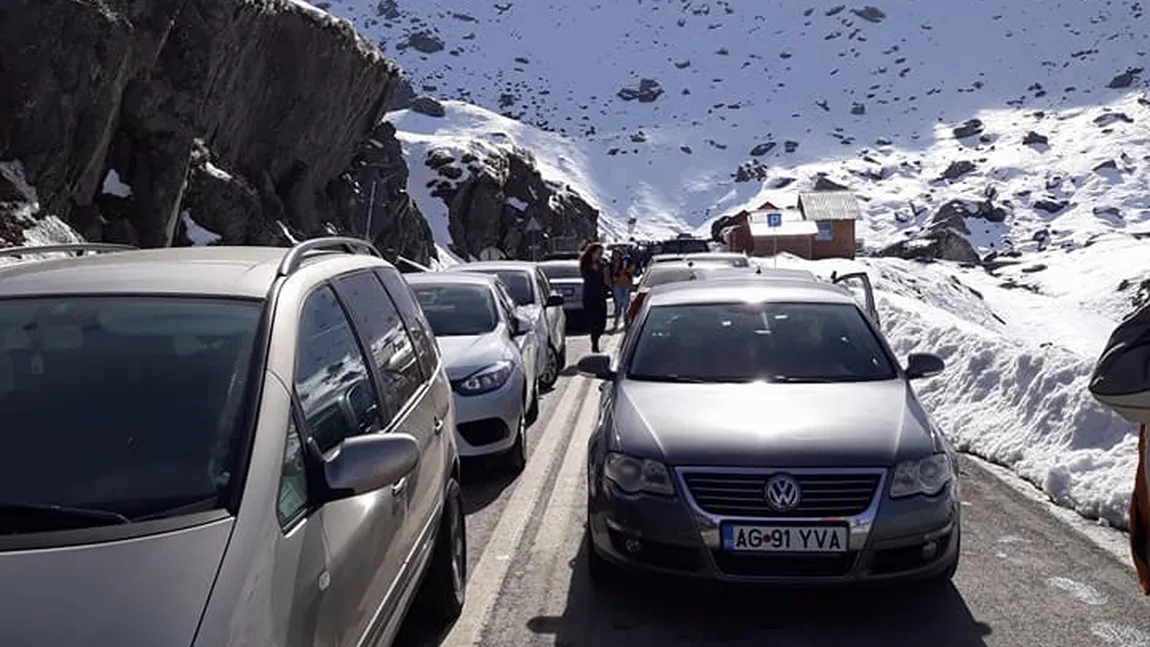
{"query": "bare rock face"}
pixel 237 113
pixel 493 193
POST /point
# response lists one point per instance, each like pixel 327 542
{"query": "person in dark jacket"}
pixel 594 292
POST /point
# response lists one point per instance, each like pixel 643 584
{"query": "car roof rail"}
pixel 79 248
pixel 326 244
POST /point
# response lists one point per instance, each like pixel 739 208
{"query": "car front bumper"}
pixel 485 424
pixel 894 540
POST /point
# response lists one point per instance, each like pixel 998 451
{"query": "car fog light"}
pixel 929 549
pixel 633 545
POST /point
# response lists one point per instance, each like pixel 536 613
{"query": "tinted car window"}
pixel 740 342
pixel 293 496
pixel 409 311
pixel 561 270
pixel 518 285
pixel 332 379
pixel 389 346
pixel 458 310
pixel 133 405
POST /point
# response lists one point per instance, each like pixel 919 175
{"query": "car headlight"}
pixel 633 475
pixel 925 476
pixel 485 380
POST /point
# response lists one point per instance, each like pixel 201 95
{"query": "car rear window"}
pixel 457 310
pixel 132 405
pixel 742 342
pixel 673 272
pixel 561 271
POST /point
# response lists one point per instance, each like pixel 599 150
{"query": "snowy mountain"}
pixel 869 95
pixel 672 113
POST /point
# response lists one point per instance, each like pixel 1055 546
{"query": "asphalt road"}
pixel 1027 577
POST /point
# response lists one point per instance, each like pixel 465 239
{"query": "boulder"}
pixel 253 110
pixel 501 191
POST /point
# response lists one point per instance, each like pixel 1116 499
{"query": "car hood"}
pixel 873 424
pixel 141 592
pixel 463 356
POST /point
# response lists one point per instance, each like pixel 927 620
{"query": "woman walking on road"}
pixel 594 292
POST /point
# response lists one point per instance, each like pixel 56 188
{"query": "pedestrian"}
pixel 622 283
pixel 1121 381
pixel 594 292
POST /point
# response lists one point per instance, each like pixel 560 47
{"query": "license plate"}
pixel 785 539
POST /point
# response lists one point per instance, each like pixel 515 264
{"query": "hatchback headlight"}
pixel 485 380
pixel 633 475
pixel 926 476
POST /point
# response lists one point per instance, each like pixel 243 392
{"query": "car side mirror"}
pixel 920 365
pixel 597 366
pixel 555 300
pixel 369 462
pixel 520 325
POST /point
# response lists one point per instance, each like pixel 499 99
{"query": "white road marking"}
pixel 486 579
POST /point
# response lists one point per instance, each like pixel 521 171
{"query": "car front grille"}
pixel 740 494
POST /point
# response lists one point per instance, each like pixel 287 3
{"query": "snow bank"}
pixel 1014 390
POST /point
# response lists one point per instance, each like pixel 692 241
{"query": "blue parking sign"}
pixel 774 220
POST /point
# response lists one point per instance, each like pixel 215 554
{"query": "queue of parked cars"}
pixel 281 432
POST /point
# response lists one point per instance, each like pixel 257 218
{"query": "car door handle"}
pixel 399 487
pixel 437 426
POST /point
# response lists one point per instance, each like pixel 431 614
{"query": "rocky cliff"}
pixel 160 122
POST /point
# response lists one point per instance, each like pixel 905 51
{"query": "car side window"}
pixel 506 303
pixel 413 316
pixel 389 346
pixel 331 377
pixel 293 494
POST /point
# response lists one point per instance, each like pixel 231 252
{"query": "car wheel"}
pixel 516 457
pixel 533 408
pixel 440 599
pixel 551 367
pixel 563 357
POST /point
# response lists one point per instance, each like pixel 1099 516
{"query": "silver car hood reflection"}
pixel 464 355
pixel 857 424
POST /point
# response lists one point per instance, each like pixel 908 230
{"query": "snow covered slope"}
pixel 869 95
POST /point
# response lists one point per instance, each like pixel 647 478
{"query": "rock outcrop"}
pixel 945 235
pixel 493 192
pixel 132 118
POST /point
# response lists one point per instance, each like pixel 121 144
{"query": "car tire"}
pixel 532 412
pixel 444 589
pixel 563 357
pixel 552 366
pixel 516 457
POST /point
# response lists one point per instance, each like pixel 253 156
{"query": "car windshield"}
pixel 561 271
pixel 458 310
pixel 122 407
pixel 685 246
pixel 743 342
pixel 518 285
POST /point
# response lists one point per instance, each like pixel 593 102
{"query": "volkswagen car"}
pixel 489 353
pixel 761 430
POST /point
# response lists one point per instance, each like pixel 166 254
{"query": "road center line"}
pixel 486 579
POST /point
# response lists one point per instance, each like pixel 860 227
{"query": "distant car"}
pixel 671 272
pixel 734 259
pixel 489 354
pixel 533 296
pixel 760 430
pixel 684 244
pixel 222 446
pixel 567 280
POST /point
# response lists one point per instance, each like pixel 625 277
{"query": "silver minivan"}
pixel 216 446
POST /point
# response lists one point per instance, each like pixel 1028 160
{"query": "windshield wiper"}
pixel 686 379
pixel 61 517
pixel 191 507
pixel 806 379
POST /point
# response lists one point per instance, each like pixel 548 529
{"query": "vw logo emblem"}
pixel 783 493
